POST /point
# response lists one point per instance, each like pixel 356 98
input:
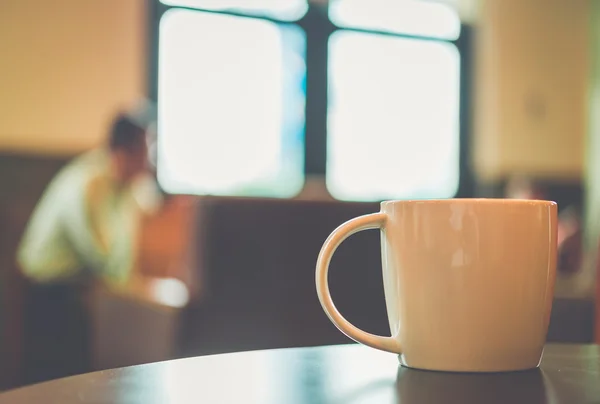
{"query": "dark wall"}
pixel 22 181
pixel 23 177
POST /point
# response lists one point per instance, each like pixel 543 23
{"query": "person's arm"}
pixel 94 196
pixel 82 223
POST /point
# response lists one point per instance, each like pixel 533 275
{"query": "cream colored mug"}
pixel 468 282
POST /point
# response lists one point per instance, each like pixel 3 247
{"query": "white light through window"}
pixel 285 10
pixel 412 17
pixel 393 118
pixel 231 105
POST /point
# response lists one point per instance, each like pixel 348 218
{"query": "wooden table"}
pixel 339 374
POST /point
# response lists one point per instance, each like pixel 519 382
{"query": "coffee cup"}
pixel 468 283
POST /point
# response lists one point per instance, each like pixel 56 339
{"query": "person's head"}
pixel 128 148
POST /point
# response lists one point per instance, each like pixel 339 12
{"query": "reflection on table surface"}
pixel 340 374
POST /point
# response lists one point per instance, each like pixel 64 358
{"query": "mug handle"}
pixel 372 221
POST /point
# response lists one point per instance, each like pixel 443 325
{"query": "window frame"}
pixel 318 28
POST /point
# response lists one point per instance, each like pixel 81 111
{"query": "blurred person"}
pixel 82 225
pixel 570 241
pixel 520 187
pixel 83 229
pixel 570 229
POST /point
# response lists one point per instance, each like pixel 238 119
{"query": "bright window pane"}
pixel 393 118
pixel 285 10
pixel 231 105
pixel 412 17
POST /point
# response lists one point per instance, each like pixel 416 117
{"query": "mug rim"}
pixel 448 201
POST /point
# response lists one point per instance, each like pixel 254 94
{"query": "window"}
pixel 393 100
pixel 255 94
pixel 231 107
pixel 393 117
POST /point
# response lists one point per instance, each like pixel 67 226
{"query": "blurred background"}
pixel 272 122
